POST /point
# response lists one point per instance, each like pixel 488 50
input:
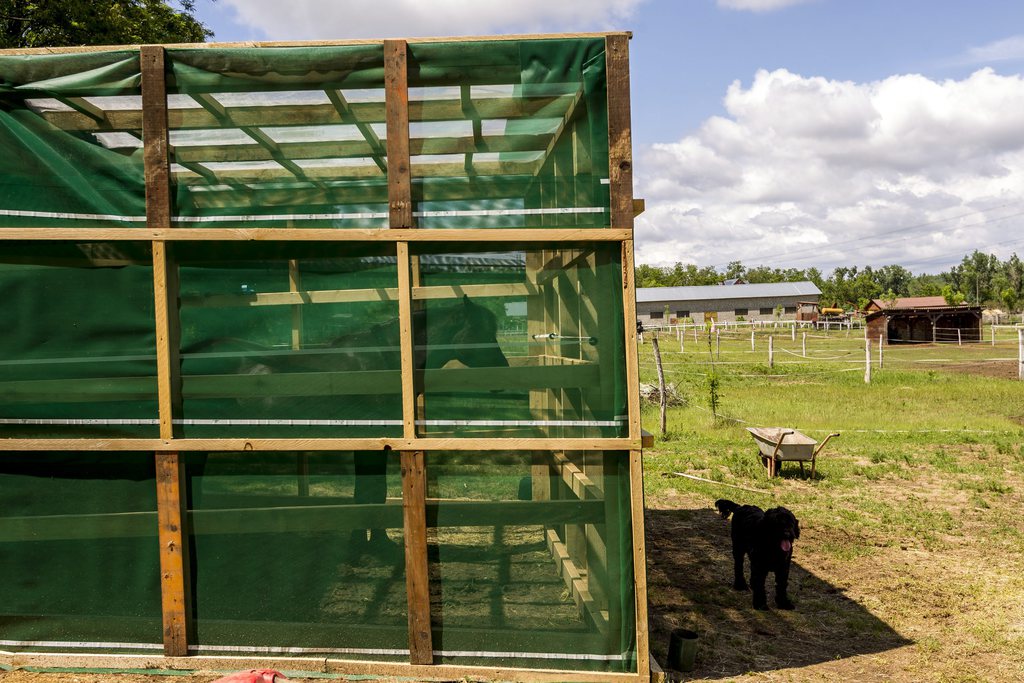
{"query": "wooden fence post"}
pixel 803 345
pixel 1020 354
pixel 771 351
pixel 661 383
pixel 867 360
pixel 751 337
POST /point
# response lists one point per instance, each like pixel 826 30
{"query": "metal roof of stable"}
pixel 723 292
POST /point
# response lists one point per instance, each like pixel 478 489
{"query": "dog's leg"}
pixel 739 583
pixel 782 600
pixel 758 576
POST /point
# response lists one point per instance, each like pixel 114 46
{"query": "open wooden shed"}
pixel 321 356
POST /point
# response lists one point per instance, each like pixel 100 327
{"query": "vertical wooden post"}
pixel 867 360
pixel 993 328
pixel 636 497
pixel 771 350
pixel 620 173
pixel 752 337
pixel 1020 354
pixel 170 476
pixel 803 345
pixel 414 510
pixel 414 473
pixel 396 104
pixel 959 340
pixel 663 400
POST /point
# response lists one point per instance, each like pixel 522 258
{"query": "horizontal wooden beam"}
pixel 303 519
pixel 142 234
pixel 346 149
pixel 319 664
pixel 246 116
pixel 462 444
pixel 284 172
pixel 333 296
pixel 315 43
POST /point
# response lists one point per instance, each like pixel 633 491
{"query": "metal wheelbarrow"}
pixel 781 444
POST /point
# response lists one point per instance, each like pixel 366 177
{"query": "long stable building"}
pixel 322 357
pixel 727 303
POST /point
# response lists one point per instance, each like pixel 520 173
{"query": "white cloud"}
pixel 325 19
pixel 806 171
pixel 1005 50
pixel 759 5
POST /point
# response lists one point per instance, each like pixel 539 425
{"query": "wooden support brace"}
pixel 414 495
pixel 173 537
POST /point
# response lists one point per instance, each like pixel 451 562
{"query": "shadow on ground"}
pixel 690 586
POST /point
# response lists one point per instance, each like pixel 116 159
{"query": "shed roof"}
pixel 718 292
pixel 912 302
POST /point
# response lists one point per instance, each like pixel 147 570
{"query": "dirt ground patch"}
pixel 870 607
pixel 999 369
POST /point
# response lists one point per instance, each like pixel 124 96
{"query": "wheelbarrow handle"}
pixel 778 445
pixel 822 444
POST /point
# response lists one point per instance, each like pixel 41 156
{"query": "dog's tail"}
pixel 726 507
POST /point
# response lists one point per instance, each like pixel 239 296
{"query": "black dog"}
pixel 768 538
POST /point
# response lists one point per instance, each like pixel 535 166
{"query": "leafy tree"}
pixel 952 296
pixel 894 278
pixel 56 23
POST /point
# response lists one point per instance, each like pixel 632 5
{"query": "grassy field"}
pixel 909 564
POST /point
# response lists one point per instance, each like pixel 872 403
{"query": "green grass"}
pixel 926 477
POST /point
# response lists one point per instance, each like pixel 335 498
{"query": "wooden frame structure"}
pixel 565 469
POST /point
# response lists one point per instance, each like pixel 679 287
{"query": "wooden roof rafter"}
pixel 210 104
pixel 379 153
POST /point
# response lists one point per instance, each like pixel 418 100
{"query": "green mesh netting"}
pixel 502 134
pixel 259 360
pixel 77 357
pixel 558 367
pixel 530 560
pixel 301 553
pixel 531 121
pixel 78 551
pixel 70 140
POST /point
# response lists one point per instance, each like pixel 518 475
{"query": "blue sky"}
pixel 786 132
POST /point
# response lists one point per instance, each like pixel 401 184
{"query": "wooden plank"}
pixel 629 320
pixel 347 149
pixel 331 665
pixel 333 296
pixel 170 472
pixel 620 142
pixel 317 444
pixel 316 43
pixel 636 502
pixel 318 234
pixel 408 388
pixel 255 116
pixel 580 483
pixel 576 581
pixel 174 561
pixel 414 493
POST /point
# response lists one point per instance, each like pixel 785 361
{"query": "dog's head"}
pixel 783 527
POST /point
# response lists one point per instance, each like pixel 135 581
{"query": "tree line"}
pixel 979 279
